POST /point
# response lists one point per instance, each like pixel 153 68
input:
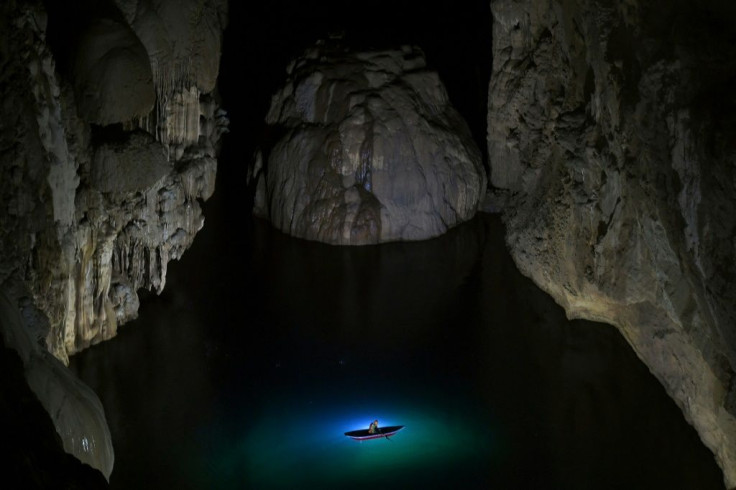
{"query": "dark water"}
pixel 264 349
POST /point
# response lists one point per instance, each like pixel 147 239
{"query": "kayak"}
pixel 363 434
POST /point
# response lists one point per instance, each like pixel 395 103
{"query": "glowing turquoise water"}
pixel 248 371
pixel 300 443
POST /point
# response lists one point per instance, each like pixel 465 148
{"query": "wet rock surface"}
pixel 365 148
pixel 610 142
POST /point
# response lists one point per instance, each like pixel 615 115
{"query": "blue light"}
pixel 298 440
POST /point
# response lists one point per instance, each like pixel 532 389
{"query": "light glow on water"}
pixel 299 442
pixel 496 388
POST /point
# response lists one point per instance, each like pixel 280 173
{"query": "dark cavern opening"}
pixel 234 232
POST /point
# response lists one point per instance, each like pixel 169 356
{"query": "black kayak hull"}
pixel 363 434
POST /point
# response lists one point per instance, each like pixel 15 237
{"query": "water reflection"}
pixel 264 350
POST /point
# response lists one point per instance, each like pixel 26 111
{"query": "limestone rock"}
pixel 138 164
pixel 183 40
pixel 112 74
pixel 609 133
pixel 366 148
pixel 90 214
pixel 87 221
pixel 36 458
pixel 76 412
pixel 182 37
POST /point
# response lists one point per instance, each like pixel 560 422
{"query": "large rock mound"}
pixel 610 135
pixel 366 149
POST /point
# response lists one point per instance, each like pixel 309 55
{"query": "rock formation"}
pixel 183 40
pixel 96 209
pixel 104 162
pixel 366 148
pixel 610 137
pixel 111 73
pixel 72 407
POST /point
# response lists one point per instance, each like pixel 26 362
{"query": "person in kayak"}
pixel 373 428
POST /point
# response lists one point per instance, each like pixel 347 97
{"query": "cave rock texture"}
pixel 71 406
pixel 108 162
pixel 108 145
pixel 366 148
pixel 610 136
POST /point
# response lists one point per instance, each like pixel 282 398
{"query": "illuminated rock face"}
pixel 367 149
pixel 90 213
pixel 88 221
pixel 610 136
pixel 183 39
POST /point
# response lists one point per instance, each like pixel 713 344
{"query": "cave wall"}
pixel 106 157
pixel 108 146
pixel 610 140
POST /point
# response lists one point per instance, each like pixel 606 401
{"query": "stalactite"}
pixel 111 225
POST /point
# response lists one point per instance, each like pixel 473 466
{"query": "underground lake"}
pixel 263 350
